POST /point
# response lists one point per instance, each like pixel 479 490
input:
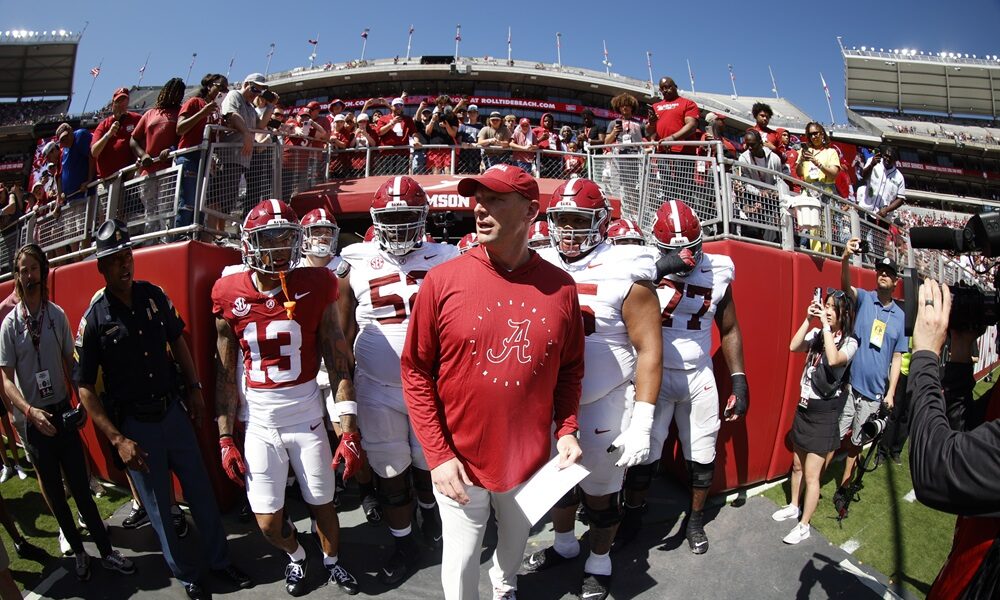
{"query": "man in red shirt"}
pixel 673 119
pixel 486 369
pixel 762 114
pixel 110 147
pixel 394 129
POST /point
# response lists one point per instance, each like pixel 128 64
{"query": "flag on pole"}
pixel 142 69
pixel 313 42
pixel 270 51
pixel 95 71
pixel 508 37
pixel 690 74
pixel 732 76
pixel 411 29
pixel 458 33
pixel 364 34
pixel 826 90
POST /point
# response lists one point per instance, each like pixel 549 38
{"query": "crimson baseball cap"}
pixel 501 179
pixel 119 93
pixel 313 105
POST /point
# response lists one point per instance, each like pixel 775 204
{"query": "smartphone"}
pixel 618 122
pixel 818 296
pixel 864 247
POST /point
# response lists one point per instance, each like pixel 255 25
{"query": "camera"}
pixel 871 430
pixel 268 96
pixel 972 308
pixel 864 247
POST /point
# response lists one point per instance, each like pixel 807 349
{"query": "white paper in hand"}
pixel 546 487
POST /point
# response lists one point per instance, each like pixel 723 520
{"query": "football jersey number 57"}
pixel 401 308
pixel 272 372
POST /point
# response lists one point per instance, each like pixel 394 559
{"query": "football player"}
pixel 282 319
pixel 624 232
pixel 468 242
pixel 621 315
pixel 378 285
pixel 694 291
pixel 319 245
pixel 538 236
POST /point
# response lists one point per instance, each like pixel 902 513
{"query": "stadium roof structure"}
pixel 37 64
pixel 905 80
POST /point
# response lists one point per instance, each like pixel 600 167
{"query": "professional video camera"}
pixel 971 306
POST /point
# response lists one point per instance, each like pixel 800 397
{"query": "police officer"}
pixel 125 332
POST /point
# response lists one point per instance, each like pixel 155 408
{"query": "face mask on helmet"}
pixel 272 248
pixel 399 231
pixel 320 240
pixel 625 232
pixel 539 238
pixel 574 232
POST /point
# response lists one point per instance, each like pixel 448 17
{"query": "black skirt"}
pixel 816 428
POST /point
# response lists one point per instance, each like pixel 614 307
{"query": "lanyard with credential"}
pixel 34 329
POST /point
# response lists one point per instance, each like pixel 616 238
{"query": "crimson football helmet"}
pixel 675 227
pixel 468 242
pixel 624 232
pixel 578 197
pixel 538 235
pixel 370 234
pixel 399 211
pixel 320 233
pixel 271 239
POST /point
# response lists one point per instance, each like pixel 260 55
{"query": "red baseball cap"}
pixel 501 179
pixel 524 121
pixel 313 105
pixel 119 93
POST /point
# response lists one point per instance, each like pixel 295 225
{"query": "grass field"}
pixel 901 538
pixel 25 503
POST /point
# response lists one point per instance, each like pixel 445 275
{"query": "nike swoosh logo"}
pixel 302 295
pixel 313 427
pixel 532 561
pixel 592 595
pixel 594 266
pixel 708 387
pixel 430 257
pixel 600 431
pixel 706 270
pixel 700 544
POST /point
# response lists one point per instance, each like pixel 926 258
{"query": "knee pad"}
pixel 421 480
pixel 394 491
pixel 605 517
pixel 570 498
pixel 639 477
pixel 701 474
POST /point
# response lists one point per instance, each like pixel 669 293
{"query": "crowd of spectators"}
pixel 26 112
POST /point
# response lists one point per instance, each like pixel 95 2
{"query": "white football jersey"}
pixel 385 287
pixel 603 280
pixel 322 377
pixel 688 304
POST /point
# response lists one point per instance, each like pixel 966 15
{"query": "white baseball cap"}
pixel 396 101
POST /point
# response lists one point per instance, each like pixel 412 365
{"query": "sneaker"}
pixel 295 578
pixel 82 566
pixel 373 512
pixel 29 551
pixel 696 537
pixel 401 562
pixel 797 534
pixel 630 526
pixel 542 560
pixel 136 518
pixel 499 594
pixel 180 524
pixel 64 546
pixel 116 562
pixel 896 460
pixel 787 512
pixel 235 576
pixel 430 526
pixel 6 473
pixel 343 578
pixel 595 587
pixel 80 522
pixel 96 488
pixel 21 473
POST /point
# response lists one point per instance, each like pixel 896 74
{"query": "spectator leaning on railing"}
pixel 674 118
pixel 154 137
pixel 758 202
pixel 818 163
pixel 240 115
pixel 525 143
pixel 762 114
pixel 493 138
pixel 394 129
pixel 111 140
pixel 624 130
pixel 196 112
pixel 77 163
pixel 886 189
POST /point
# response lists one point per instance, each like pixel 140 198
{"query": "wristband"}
pixel 827 329
pixel 737 373
pixel 346 407
pixel 225 435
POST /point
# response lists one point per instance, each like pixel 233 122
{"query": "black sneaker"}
pixel 896 460
pixel 595 587
pixel 180 524
pixel 430 526
pixel 630 526
pixel 29 551
pixel 696 537
pixel 295 578
pixel 136 518
pixel 235 576
pixel 82 566
pixel 373 512
pixel 343 578
pixel 542 560
pixel 401 562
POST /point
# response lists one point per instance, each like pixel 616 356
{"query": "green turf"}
pixel 25 503
pixel 906 541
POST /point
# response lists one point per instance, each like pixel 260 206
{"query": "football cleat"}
pixel 543 560
pixel 696 537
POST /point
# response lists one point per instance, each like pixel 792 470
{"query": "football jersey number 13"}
pixel 273 372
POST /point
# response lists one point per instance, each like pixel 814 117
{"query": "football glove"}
pixel 232 461
pixel 739 400
pixel 349 453
pixel 670 263
pixel 634 441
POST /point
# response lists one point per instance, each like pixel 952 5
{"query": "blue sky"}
pixel 793 39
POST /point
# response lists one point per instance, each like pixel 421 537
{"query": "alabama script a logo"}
pixel 516 343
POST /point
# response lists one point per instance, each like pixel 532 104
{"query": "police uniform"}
pixel 129 344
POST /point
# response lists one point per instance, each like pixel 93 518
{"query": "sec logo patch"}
pixel 376 263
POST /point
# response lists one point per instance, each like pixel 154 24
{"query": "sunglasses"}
pixel 814 133
pixel 256 89
pixel 838 294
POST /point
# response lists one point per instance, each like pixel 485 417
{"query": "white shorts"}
pixel 600 423
pixel 387 435
pixel 269 451
pixel 689 398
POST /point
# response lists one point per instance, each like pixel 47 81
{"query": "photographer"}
pixel 954 451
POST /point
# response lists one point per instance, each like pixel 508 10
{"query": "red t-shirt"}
pixel 156 132
pixel 768 135
pixel 117 153
pixel 398 135
pixel 195 135
pixel 670 116
pixel 486 369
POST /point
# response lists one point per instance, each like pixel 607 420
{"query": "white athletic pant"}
pixel 463 528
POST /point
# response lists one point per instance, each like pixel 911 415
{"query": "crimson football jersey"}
pixel 688 304
pixel 280 354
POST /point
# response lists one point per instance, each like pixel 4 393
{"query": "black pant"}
pixel 897 429
pixel 53 457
